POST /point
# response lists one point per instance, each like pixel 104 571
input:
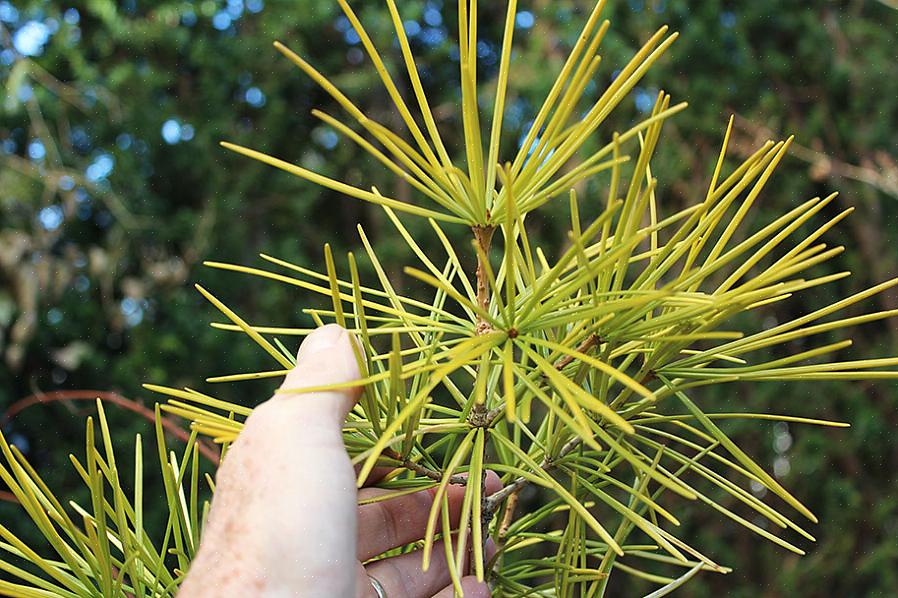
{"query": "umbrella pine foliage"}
pixel 577 375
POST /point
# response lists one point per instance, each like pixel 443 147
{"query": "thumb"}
pixel 284 511
pixel 326 357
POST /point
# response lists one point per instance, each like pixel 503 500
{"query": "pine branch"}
pixel 433 474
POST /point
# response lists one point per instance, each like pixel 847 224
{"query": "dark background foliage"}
pixel 113 190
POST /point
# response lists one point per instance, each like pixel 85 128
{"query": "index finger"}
pixel 403 520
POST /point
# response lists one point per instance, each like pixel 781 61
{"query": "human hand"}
pixel 284 519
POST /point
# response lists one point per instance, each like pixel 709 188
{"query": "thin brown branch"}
pixel 433 474
pixel 511 490
pixel 508 517
pixel 208 451
pixel 591 341
pixel 494 500
pixel 484 237
pixel 823 166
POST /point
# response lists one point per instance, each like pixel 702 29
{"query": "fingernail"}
pixel 322 339
pixel 490 548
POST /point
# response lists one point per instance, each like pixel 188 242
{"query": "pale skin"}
pixel 285 520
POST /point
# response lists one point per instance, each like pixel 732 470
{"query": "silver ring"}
pixel 378 588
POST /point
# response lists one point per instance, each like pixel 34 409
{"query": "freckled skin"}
pixel 284 520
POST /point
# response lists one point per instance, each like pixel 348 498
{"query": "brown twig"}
pixel 508 517
pixel 591 341
pixel 479 416
pixel 205 449
pixel 494 500
pixel 884 179
pixel 484 237
pixel 433 474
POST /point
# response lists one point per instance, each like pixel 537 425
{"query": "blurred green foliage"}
pixel 113 190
